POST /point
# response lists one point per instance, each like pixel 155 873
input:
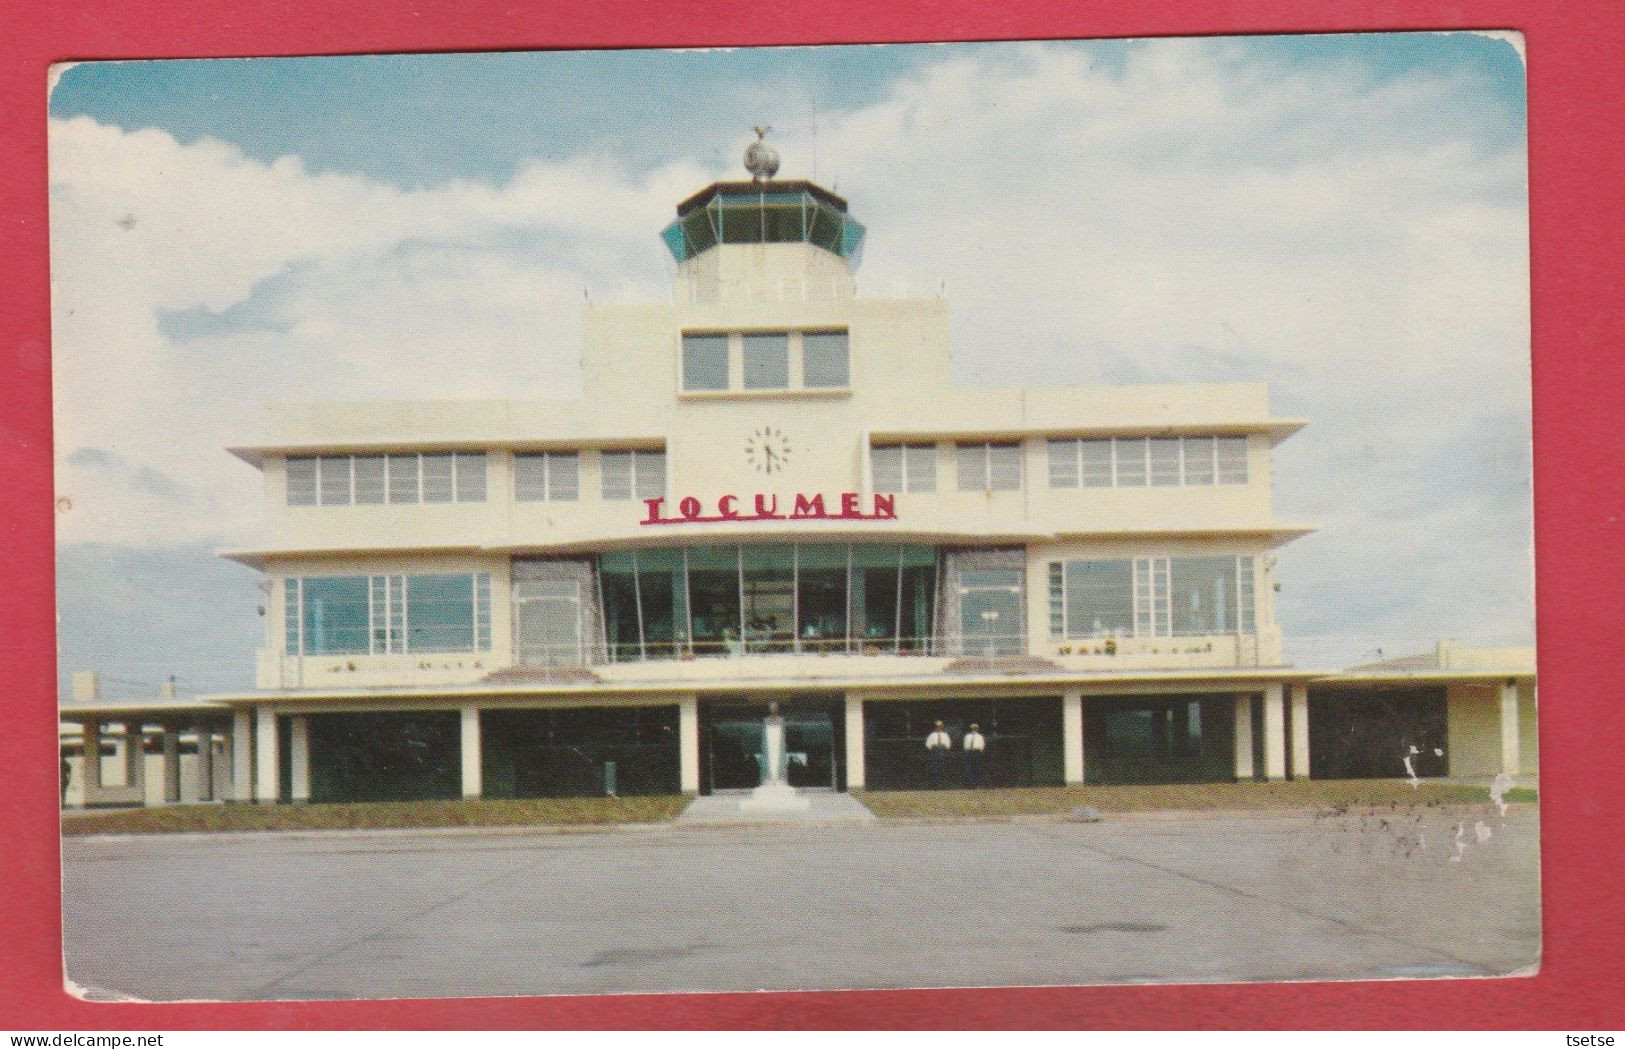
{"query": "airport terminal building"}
pixel 770 491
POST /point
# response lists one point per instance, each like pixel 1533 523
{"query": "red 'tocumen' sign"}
pixel 804 508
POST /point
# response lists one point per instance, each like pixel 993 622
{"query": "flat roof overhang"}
pixel 1427 677
pixel 902 687
pixel 258 557
pixel 1277 429
pixel 154 709
pixel 742 187
pixel 255 454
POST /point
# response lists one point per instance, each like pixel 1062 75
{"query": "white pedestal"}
pixel 774 797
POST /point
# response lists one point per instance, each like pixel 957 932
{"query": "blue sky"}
pixel 1343 216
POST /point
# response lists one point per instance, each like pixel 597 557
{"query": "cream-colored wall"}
pixel 1474 713
pixel 1528 731
pixel 1474 730
pixel 763 272
pixel 900 390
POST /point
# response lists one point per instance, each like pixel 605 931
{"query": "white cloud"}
pixel 1192 214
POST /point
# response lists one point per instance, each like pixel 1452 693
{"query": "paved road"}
pixel 1127 900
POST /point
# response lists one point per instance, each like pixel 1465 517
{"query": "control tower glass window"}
pixel 777 212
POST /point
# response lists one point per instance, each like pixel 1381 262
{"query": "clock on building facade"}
pixel 768 450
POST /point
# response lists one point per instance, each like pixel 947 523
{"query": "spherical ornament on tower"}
pixel 761 159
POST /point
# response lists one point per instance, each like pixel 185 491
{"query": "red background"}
pixel 1576 159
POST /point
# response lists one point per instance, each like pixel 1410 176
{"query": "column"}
pixel 1072 736
pixel 172 762
pixel 1511 745
pixel 1244 736
pixel 90 734
pixel 242 755
pixel 1300 730
pixel 856 769
pixel 205 762
pixel 688 744
pixel 473 760
pixel 267 771
pixel 135 761
pixel 299 757
pixel 1274 732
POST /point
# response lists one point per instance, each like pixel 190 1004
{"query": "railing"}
pixel 763 644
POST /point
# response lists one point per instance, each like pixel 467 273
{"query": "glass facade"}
pixel 378 615
pixel 1159 739
pixel 758 215
pixel 1151 597
pixel 744 599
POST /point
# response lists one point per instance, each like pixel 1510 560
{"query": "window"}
pixel 1135 462
pixel 632 474
pixel 766 358
pixel 371 484
pixel 361 615
pixel 301 481
pixel 1096 464
pixel 439 478
pixel 1091 599
pixel 333 472
pixel 470 468
pixel 551 476
pixel 764 361
pixel 333 615
pixel 705 362
pixel 1199 460
pixel 989 467
pixel 904 467
pixel 1204 595
pixel 1130 460
pixel 370 480
pixel 825 360
pixel 1063 464
pixel 1232 460
pixel 1151 597
pixel 1164 461
pixel 403 479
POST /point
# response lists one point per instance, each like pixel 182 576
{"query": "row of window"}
pixel 556 476
pixel 459 477
pixel 1135 462
pixel 1090 463
pixel 383 614
pixel 1151 597
pixel 412 477
pixel 723 361
pixel 740 599
pixel 991 466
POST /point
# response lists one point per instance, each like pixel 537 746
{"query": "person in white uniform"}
pixel 975 745
pixel 938 744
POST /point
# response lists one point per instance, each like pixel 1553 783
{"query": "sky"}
pixel 1344 217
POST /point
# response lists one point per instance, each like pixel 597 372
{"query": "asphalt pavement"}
pixel 1424 892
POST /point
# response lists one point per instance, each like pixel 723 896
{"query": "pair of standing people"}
pixel 939 743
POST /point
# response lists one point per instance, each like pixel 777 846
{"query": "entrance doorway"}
pixel 731 745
